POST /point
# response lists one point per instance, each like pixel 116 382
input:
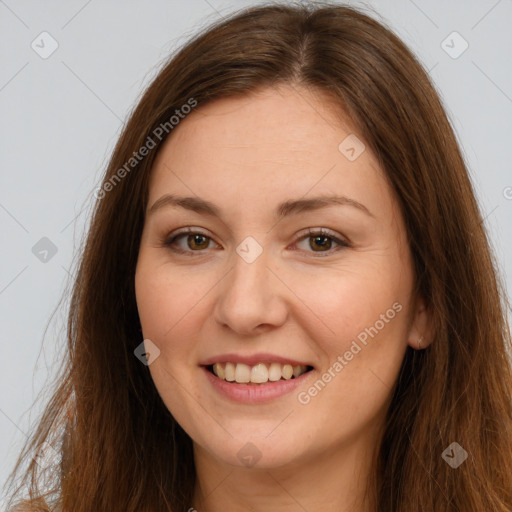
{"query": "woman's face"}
pixel 296 256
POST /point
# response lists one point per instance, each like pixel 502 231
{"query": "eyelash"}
pixel 310 233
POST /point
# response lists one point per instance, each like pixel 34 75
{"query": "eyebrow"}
pixel 290 207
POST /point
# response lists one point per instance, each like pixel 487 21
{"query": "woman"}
pixel 287 299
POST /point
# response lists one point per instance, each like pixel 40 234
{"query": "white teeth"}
pixel 242 373
pixel 274 372
pixel 219 371
pixel 229 371
pixel 258 374
pixel 287 371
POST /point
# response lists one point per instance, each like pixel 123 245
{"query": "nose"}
pixel 251 298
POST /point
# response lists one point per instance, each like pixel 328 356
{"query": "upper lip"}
pixel 252 360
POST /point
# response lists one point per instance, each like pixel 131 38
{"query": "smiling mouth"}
pixel 258 374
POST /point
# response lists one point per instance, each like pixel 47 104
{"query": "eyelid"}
pixel 320 231
pixel 189 230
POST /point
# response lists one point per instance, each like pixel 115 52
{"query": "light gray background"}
pixel 61 117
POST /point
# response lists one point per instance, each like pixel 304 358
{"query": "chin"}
pixel 254 453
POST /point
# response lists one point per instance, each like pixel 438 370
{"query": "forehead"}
pixel 276 144
pixel 276 120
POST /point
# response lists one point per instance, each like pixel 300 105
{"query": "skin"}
pixel 247 155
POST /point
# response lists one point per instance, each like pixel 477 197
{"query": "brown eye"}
pixel 322 243
pixel 197 241
pixel 189 242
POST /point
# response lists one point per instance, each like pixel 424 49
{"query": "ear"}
pixel 420 332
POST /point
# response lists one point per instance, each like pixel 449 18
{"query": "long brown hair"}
pixel 121 448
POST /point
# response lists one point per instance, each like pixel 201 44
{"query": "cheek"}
pixel 168 312
pixel 154 302
pixel 173 306
pixel 363 356
pixel 165 297
pixel 363 309
pixel 350 299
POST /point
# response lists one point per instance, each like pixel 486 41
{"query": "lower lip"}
pixel 254 393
